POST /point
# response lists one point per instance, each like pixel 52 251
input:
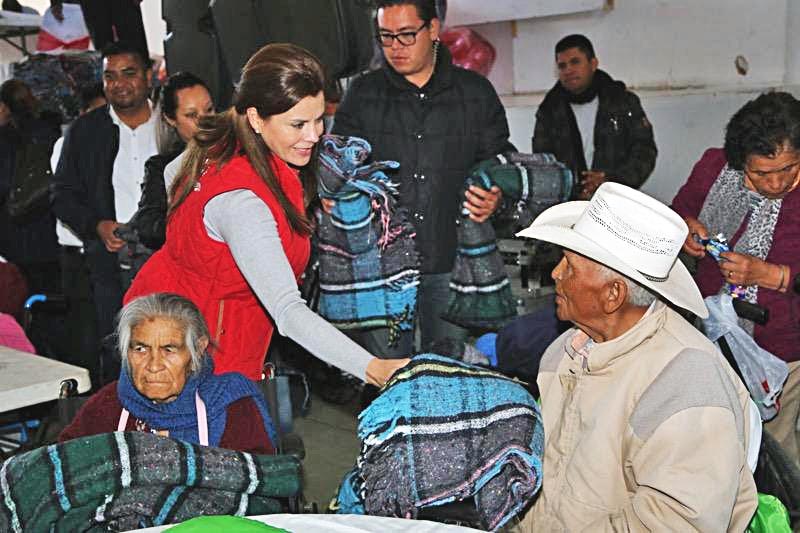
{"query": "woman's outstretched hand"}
pixel 380 370
pixel 691 246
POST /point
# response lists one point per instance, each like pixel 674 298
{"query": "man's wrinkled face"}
pixel 575 70
pixel 159 359
pixel 579 286
pixel 126 81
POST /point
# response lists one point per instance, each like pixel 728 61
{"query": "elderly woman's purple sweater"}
pixel 781 335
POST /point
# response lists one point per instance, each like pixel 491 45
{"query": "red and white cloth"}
pixel 68 34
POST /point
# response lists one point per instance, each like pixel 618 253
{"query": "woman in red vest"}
pixel 237 233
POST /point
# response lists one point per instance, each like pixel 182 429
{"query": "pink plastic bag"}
pixel 469 49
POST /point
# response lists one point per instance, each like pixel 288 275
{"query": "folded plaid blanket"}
pixel 368 266
pixel 480 292
pixel 121 481
pixel 57 80
pixel 443 431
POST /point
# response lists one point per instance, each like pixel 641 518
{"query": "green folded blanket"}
pixel 121 481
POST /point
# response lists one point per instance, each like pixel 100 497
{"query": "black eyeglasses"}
pixel 406 38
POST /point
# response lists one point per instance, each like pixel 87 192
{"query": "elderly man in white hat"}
pixel 646 425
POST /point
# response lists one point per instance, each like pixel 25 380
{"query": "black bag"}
pixel 29 196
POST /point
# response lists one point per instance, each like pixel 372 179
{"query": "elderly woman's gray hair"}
pixel 163 305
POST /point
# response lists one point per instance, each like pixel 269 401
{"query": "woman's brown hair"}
pixel 273 81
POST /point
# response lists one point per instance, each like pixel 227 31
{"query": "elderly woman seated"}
pixel 167 385
pixel 749 193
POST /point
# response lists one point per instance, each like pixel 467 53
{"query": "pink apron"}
pixel 202 421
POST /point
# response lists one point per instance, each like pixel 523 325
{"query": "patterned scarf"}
pixel 368 266
pixel 726 207
pixel 480 292
pixel 129 480
pixel 179 416
pixel 444 431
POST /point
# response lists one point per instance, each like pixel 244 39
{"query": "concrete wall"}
pixel 678 56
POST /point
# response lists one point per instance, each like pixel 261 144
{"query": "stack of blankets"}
pixel 444 431
pixel 480 292
pixel 368 265
pixel 57 80
pixel 122 481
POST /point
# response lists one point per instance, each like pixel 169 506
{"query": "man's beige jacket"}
pixel 646 432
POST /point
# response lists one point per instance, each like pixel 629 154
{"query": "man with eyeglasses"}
pixel 437 120
pixel 592 123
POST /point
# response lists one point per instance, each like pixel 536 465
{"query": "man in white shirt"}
pixel 80 337
pixel 97 183
pixel 592 123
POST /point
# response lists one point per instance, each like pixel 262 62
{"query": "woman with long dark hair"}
pixel 238 234
pixel 185 99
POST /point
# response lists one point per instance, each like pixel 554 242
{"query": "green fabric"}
pixel 480 291
pixel 214 524
pixel 123 481
pixel 771 516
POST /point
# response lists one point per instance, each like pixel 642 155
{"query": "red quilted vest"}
pixel 196 266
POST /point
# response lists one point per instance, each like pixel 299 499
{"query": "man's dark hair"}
pixel 90 93
pixel 576 40
pixel 761 127
pixel 121 47
pixel 426 9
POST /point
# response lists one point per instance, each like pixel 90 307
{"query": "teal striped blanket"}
pixel 444 431
pixel 368 265
pixel 122 481
pixel 480 292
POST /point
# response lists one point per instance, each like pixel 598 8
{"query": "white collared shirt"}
pixel 135 147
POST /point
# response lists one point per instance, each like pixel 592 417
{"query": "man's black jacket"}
pixel 624 147
pixel 82 192
pixel 437 133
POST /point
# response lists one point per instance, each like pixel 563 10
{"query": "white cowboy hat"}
pixel 630 232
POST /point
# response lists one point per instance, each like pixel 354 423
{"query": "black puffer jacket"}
pixel 437 133
pixel 150 219
pixel 624 147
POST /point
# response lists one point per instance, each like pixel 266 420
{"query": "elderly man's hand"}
pixel 590 181
pixel 744 269
pixel 380 370
pixel 482 203
pixel 690 245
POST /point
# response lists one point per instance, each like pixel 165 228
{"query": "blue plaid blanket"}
pixel 368 264
pixel 443 431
